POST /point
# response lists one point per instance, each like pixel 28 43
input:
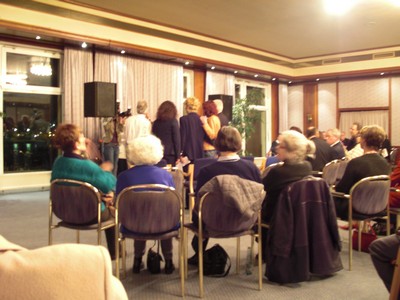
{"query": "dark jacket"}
pixel 303 236
pixel 192 136
pixel 323 154
pixel 276 180
pixel 338 151
pixel 168 132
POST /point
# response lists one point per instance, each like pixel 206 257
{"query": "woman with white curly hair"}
pixel 292 149
pixel 143 153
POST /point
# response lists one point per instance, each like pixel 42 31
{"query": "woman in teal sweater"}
pixel 71 165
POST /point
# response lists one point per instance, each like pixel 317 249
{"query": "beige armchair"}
pixel 65 271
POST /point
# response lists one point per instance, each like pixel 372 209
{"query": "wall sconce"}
pixel 309 118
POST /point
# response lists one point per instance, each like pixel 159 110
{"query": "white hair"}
pixel 145 150
pixel 297 145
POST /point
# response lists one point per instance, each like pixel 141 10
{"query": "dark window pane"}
pixel 32 70
pixel 29 123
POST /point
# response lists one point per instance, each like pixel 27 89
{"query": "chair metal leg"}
pixel 182 243
pixel 350 247
pixel 259 233
pixel 237 255
pixel 201 287
pixel 185 232
pixel 117 242
pixel 123 243
pixel 360 227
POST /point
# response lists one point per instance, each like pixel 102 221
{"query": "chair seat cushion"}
pixel 104 225
pixel 148 236
pixel 218 234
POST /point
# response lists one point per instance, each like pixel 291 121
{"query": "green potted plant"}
pixel 244 116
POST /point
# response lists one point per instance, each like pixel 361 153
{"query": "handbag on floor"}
pixel 154 260
pixel 215 261
pixel 366 239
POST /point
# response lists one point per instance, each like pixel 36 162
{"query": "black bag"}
pixel 215 261
pixel 154 260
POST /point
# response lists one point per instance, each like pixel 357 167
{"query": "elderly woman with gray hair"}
pixel 144 152
pixel 292 149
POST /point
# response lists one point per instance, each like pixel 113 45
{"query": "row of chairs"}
pixel 141 214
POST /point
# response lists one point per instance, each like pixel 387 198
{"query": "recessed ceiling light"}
pixel 273 79
pixel 255 75
pixel 84 45
pixel 122 51
pixel 317 79
pixel 235 72
pixel 290 82
pixel 38 37
pixel 186 62
pixel 382 73
pixel 212 68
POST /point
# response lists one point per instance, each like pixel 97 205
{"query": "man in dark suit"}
pixel 323 152
pixel 333 139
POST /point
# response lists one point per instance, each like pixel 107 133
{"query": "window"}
pixel 31 106
pixel 259 141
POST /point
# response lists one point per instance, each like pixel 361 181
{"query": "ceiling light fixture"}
pixel 187 63
pixel 38 37
pixel 256 75
pixel 273 79
pixel 383 73
pixel 212 68
pixel 122 51
pixel 235 72
pixel 84 45
pixel 339 7
pixel 317 79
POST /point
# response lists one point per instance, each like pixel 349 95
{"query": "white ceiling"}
pixel 291 28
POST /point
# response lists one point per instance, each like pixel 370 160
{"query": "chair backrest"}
pixel 329 172
pixel 74 201
pixel 179 180
pixel 269 168
pixel 393 155
pixel 149 208
pixel 333 171
pixel 230 203
pixel 370 195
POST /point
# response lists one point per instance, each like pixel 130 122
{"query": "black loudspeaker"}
pixel 100 99
pixel 228 102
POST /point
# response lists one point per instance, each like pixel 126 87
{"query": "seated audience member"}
pixel 292 150
pixel 71 165
pixel 333 139
pixel 228 143
pixel 356 151
pixel 211 126
pixel 394 197
pixel 323 153
pixel 383 254
pixel 345 141
pixel 369 164
pixel 354 132
pixel 295 128
pixel 64 271
pixel 144 152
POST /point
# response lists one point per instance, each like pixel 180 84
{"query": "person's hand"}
pixel 107 166
pixel 109 199
pixel 203 119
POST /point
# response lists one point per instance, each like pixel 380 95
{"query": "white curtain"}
pixel 78 69
pixel 136 80
pixel 376 117
pixel 219 83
